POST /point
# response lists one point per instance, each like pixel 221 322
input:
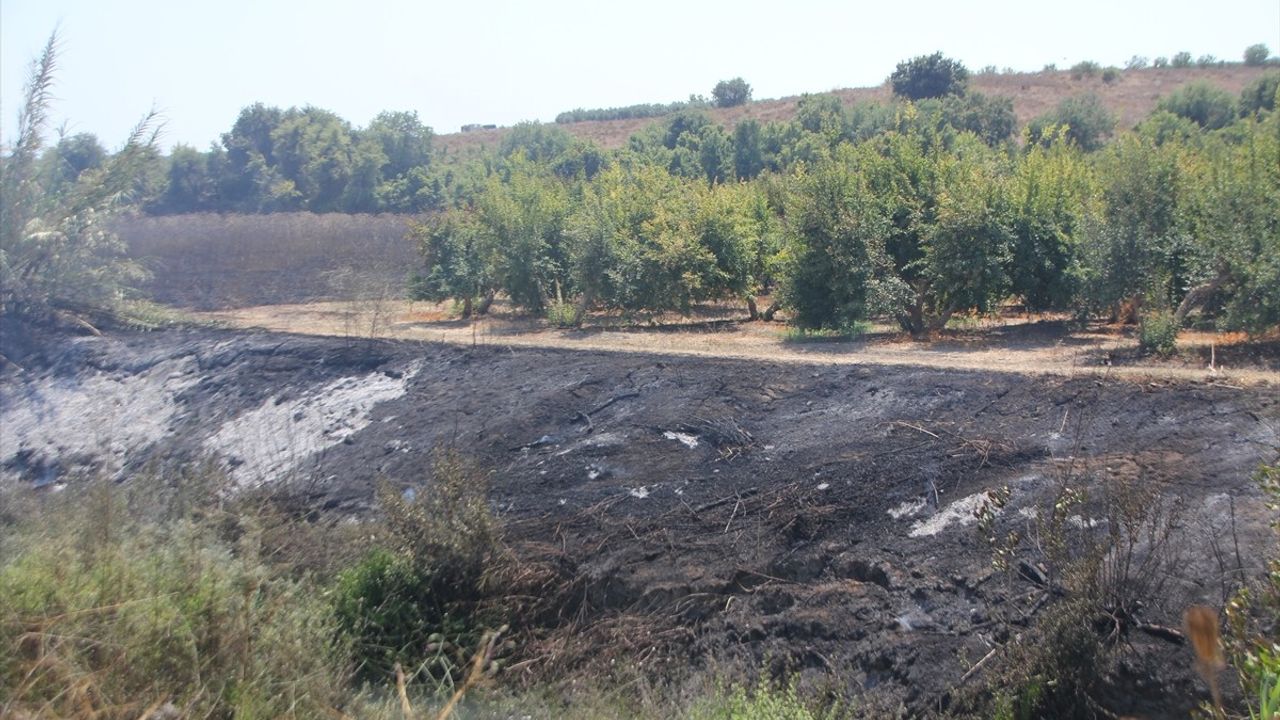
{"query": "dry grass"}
pixel 1131 97
pixel 1039 345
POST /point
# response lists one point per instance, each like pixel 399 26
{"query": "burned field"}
pixel 801 519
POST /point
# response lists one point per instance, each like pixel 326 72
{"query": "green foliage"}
pixel 929 76
pixel 949 234
pixel 1207 61
pixel 1260 95
pixel 412 602
pixel 630 112
pixel 458 257
pixel 1137 247
pixel 990 118
pixel 1255 55
pixel 1087 121
pixel 644 240
pixel 1110 75
pixel 524 214
pixel 537 142
pixel 763 702
pixel 1181 60
pixel 834 244
pixel 1158 333
pixel 1050 195
pixel 1084 69
pixel 731 93
pixel 1235 221
pixel 1206 105
pixel 748 153
pixel 107 611
pixel 56 247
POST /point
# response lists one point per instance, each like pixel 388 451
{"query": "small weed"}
pixel 563 315
pixel 799 335
pixel 1158 334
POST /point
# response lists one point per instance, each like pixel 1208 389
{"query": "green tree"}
pixel 1235 222
pixel 192 181
pixel 929 76
pixel 56 248
pixel 314 149
pixel 748 155
pixel 949 238
pixel 538 142
pixel 1210 107
pixel 1255 55
pixel 834 245
pixel 405 142
pixel 1260 95
pixel 1051 191
pixel 730 93
pixel 1087 121
pixel 1136 249
pixel 1181 60
pixel 71 157
pixel 458 259
pixel 248 178
pixel 525 215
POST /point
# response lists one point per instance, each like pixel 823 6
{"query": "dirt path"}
pixel 1044 347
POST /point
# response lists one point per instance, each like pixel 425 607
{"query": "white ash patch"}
pixel 689 441
pixel 908 508
pixel 960 512
pixel 274 439
pixel 104 416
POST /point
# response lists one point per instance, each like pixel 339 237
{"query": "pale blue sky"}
pixel 501 62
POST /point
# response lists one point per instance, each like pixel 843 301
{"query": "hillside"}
pixel 1131 97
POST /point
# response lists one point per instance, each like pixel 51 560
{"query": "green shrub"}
pixel 1206 105
pixel 563 315
pixel 1260 95
pixel 763 702
pixel 929 76
pixel 1084 69
pixel 731 93
pixel 1253 620
pixel 1110 75
pixel 1158 333
pixel 1181 60
pixel 413 602
pixel 1256 54
pixel 106 614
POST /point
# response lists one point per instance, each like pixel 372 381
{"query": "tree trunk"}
pixel 769 312
pixel 466 307
pixel 1197 297
pixel 752 310
pixel 485 303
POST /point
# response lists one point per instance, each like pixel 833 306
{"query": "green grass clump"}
pixel 106 615
pixel 765 701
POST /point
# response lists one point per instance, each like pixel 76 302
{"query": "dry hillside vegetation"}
pixel 1131 97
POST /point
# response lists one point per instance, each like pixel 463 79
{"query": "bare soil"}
pixel 1012 343
pixel 812 517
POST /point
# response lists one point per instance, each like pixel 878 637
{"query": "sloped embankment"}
pixel 818 516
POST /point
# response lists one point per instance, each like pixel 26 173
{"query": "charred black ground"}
pixel 815 519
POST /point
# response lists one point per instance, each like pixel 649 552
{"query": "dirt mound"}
pixel 819 517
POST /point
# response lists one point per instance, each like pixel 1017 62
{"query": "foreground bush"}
pixel 105 616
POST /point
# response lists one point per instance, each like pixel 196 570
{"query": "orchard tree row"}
pixel 915 220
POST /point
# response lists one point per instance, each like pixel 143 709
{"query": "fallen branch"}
pixel 726 500
pixel 979 665
pixel 1163 633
